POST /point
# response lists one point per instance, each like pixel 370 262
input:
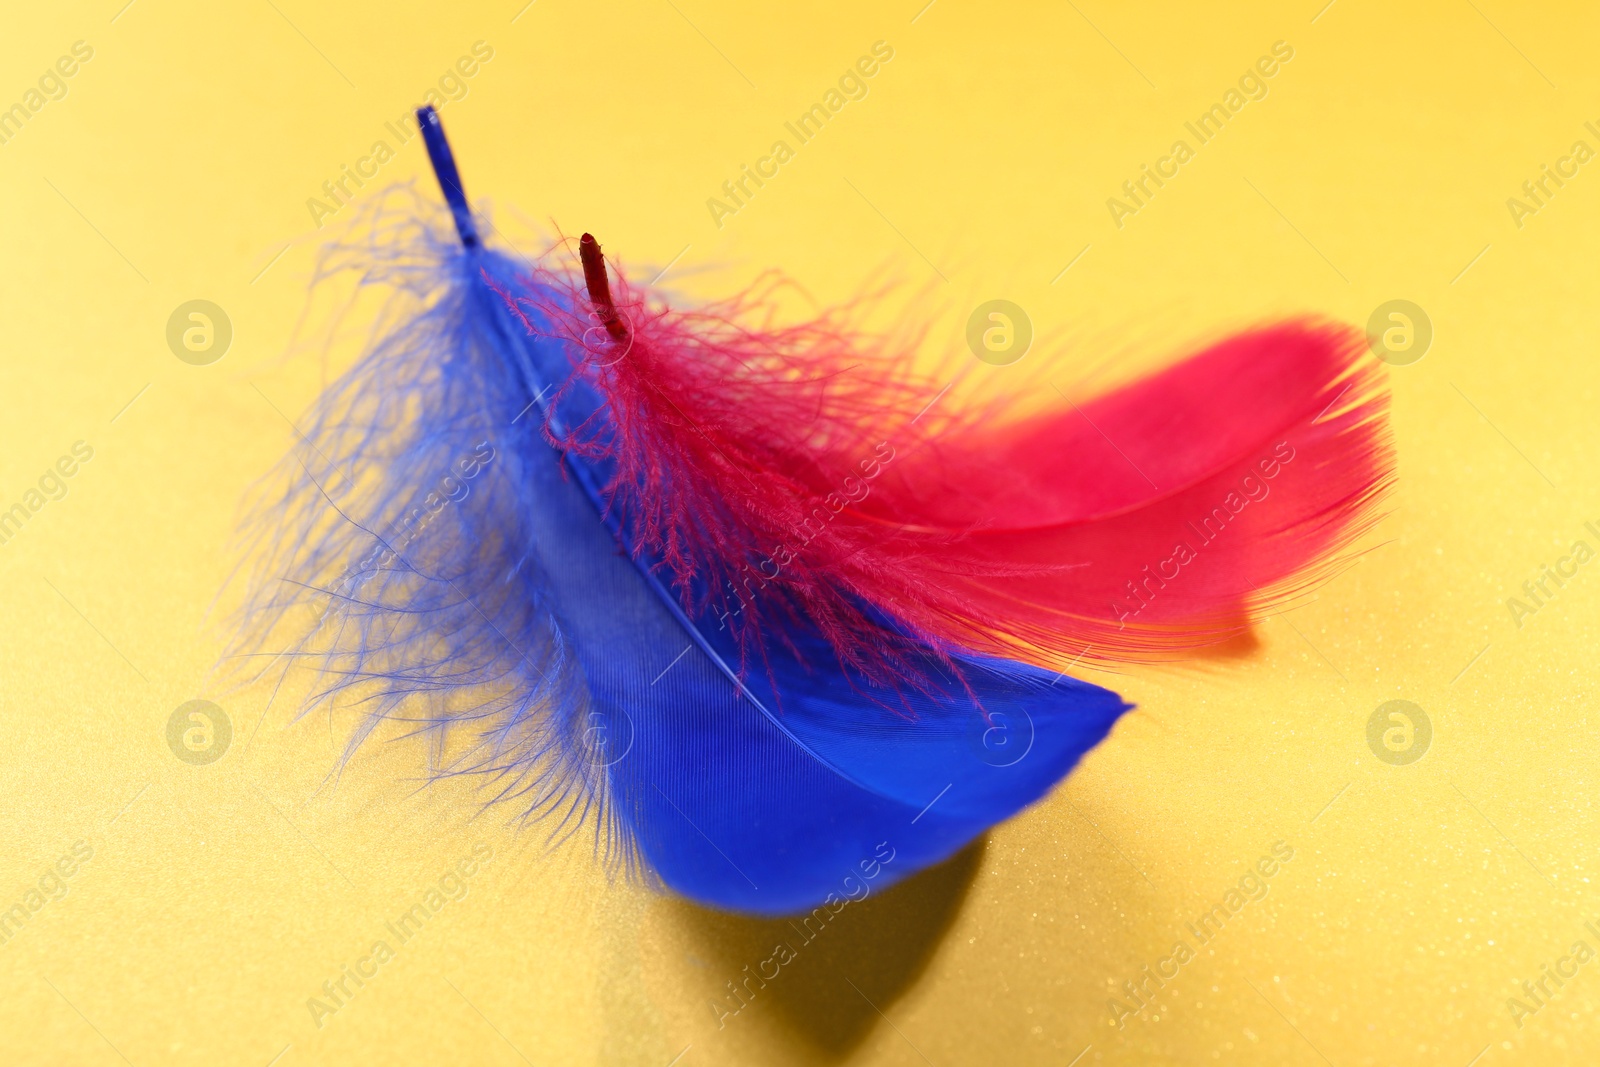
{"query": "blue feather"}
pixel 435 559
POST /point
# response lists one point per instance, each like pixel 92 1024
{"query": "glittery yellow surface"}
pixel 1362 910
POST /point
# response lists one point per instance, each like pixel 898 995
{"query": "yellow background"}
pixel 219 898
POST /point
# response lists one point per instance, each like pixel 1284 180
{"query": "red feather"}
pixel 1161 517
pixel 1155 519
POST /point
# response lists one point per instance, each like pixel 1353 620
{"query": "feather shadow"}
pixel 829 997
